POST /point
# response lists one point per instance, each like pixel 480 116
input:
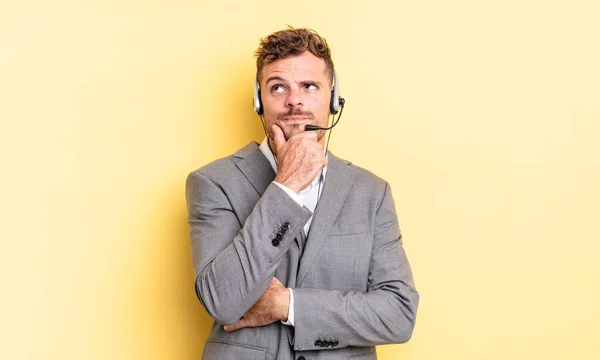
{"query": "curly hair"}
pixel 292 42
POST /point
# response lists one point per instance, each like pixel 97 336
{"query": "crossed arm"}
pixel 235 265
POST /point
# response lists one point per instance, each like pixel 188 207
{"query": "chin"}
pixel 292 129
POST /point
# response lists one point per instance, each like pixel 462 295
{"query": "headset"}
pixel 335 102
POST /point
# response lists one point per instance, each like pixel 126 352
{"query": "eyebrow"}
pixel 303 82
pixel 271 78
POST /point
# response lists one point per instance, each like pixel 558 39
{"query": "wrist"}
pixel 285 304
pixel 288 184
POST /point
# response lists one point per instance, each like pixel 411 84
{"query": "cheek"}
pixel 271 102
pixel 270 114
pixel 323 109
pixel 269 120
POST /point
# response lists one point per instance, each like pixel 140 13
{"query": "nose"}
pixel 294 98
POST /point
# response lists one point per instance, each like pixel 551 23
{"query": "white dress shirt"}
pixel 307 197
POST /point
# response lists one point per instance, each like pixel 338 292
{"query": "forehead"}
pixel 302 67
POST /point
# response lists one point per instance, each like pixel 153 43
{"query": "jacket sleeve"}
pixel 384 314
pixel 234 264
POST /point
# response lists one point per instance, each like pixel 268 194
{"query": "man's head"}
pixel 289 43
pixel 295 75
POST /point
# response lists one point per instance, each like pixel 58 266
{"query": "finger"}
pixel 238 325
pixel 305 134
pixel 312 136
pixel 278 137
pixel 275 282
pixel 316 149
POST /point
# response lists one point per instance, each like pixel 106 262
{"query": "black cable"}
pixel 327 150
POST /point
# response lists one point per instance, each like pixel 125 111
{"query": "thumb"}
pixel 278 137
pixel 238 325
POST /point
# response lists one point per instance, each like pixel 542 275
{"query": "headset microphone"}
pixel 342 101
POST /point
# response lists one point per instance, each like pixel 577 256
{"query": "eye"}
pixel 310 87
pixel 276 88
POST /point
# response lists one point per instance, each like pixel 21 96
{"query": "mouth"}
pixel 296 119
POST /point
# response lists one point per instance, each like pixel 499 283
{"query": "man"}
pixel 297 253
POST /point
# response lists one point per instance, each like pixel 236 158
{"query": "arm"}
pixel 384 314
pixel 234 265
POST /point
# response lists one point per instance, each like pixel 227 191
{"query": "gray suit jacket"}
pixel 353 286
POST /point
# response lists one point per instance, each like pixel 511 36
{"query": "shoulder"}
pixel 360 175
pixel 225 168
pixel 364 182
pixel 366 177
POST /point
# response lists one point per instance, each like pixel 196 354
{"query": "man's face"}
pixel 296 91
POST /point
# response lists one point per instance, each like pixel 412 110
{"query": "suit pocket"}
pixel 225 350
pixel 371 356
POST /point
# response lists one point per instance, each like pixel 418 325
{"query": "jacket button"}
pixel 301 358
pixel 275 242
pixel 278 236
pixel 285 226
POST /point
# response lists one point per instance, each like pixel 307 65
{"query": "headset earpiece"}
pixel 334 102
pixel 257 101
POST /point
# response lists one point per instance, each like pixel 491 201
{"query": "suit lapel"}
pixel 255 166
pixel 337 185
pixel 338 181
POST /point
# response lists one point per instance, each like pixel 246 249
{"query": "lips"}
pixel 296 118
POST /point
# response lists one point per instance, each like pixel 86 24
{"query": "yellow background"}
pixel 483 115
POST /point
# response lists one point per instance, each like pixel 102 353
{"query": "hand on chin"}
pixel 290 130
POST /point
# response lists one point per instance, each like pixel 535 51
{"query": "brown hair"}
pixel 292 42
